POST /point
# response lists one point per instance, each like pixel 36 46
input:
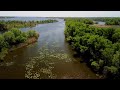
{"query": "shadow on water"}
pixel 49 58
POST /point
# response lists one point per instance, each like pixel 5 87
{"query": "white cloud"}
pixel 62 13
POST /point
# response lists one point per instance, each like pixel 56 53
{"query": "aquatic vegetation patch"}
pixel 33 72
pixel 43 64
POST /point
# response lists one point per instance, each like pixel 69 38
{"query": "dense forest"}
pixel 101 46
pixel 6 25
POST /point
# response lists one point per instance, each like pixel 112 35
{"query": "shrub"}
pixel 9 37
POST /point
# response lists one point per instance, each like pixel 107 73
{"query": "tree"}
pixel 110 70
pixel 16 31
pixel 2 40
pixel 116 36
pixel 20 39
pixel 9 37
pixel 95 65
pixel 32 33
pixel 116 59
pixel 3 27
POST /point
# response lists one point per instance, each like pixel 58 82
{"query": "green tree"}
pixel 95 65
pixel 9 37
pixel 16 31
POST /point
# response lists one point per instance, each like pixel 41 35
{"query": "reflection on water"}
pixel 49 58
pixel 101 23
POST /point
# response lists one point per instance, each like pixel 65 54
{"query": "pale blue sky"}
pixel 62 13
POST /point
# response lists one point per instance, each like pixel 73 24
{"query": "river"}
pixel 49 58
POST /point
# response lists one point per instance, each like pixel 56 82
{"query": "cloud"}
pixel 61 13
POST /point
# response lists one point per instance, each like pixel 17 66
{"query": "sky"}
pixel 61 13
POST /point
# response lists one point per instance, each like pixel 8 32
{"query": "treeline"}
pixel 101 46
pixel 14 37
pixel 108 20
pixel 6 25
pixel 83 20
pixel 6 17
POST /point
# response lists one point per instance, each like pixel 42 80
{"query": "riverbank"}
pixel 105 26
pixel 30 40
pixel 101 26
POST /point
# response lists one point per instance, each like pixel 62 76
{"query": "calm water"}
pixel 49 58
pixel 101 23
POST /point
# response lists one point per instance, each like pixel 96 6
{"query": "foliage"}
pixel 9 37
pixel 13 37
pixel 31 33
pixel 100 45
pixel 3 26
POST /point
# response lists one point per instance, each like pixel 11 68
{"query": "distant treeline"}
pixel 99 46
pixel 107 20
pixel 6 17
pixel 83 20
pixel 6 25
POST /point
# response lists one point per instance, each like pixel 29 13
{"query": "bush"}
pixel 95 65
pixel 32 33
pixel 2 42
pixel 20 39
pixel 16 31
pixel 3 27
pixel 108 70
pixel 9 37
